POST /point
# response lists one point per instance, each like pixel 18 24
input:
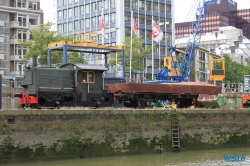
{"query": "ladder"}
pixel 175 130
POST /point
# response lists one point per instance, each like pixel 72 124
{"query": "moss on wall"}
pixel 68 135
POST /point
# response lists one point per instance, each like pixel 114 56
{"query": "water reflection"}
pixel 184 158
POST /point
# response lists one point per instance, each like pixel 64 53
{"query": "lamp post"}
pixel 15 37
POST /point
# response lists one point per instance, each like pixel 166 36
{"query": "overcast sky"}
pixel 182 8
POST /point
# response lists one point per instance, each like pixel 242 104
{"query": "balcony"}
pixel 201 59
pixel 202 69
pixel 31 26
pixel 16 57
pixel 1 39
pixel 1 23
pixel 17 24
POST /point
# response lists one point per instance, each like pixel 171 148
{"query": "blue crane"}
pixel 184 65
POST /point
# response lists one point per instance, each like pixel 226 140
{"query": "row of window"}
pixel 106 4
pixel 80 10
pixel 148 6
pixel 148 20
pixel 148 34
pixel 87 23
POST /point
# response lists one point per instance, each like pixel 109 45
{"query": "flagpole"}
pixel 152 53
pixel 101 21
pixel 103 34
pixel 130 60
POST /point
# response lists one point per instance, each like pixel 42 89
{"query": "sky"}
pixel 182 8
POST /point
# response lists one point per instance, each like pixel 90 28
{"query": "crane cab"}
pixel 172 64
pixel 217 69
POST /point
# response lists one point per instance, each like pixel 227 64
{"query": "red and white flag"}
pixel 135 28
pixel 103 26
pixel 157 33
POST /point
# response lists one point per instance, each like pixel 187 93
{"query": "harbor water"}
pixel 211 157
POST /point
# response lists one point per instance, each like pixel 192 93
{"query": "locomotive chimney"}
pixel 34 61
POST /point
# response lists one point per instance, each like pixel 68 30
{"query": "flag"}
pixel 157 33
pixel 103 26
pixel 134 27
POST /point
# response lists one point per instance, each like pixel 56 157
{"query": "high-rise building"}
pixel 220 14
pixel 76 16
pixel 17 19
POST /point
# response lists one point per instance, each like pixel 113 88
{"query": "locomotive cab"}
pixel 70 85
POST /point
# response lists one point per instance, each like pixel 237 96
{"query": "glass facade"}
pixel 85 16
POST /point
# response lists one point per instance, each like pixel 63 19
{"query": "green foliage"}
pixel 138 54
pixel 217 65
pixel 42 36
pixel 112 112
pixel 166 113
pixel 192 73
pixel 180 56
pixel 234 71
pixel 183 112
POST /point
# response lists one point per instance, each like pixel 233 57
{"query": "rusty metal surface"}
pixel 166 88
pixel 207 98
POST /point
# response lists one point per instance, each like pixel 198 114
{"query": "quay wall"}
pixel 50 134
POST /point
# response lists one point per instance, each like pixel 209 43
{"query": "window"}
pixel 87 23
pixel 64 14
pixel 148 35
pixel 99 20
pixel 81 10
pixel 142 20
pixel 70 12
pixel 162 8
pixel 141 5
pixel 112 3
pixel 106 19
pixel 155 7
pixel 59 27
pixel 93 8
pixel 88 77
pixel 81 24
pixel 148 5
pixel 65 28
pixel 107 35
pixel 112 17
pixel 71 26
pixel 76 11
pixel 76 25
pixel 59 15
pixel 127 3
pixel 106 4
pixel 59 2
pixel 100 6
pixel 87 8
pixel 93 20
pixel 113 35
pixel 134 3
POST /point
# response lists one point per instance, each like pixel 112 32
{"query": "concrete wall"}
pixel 7 101
pixel 43 134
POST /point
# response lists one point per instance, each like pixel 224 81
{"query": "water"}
pixel 184 158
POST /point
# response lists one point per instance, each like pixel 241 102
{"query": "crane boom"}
pixel 184 65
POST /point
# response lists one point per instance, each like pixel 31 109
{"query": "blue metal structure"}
pixel 184 65
pixel 84 43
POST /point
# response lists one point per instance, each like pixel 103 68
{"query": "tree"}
pixel 138 54
pixel 42 36
pixel 234 71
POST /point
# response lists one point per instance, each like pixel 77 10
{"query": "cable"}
pixel 195 3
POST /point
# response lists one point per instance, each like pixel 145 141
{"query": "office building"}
pixel 17 19
pixel 220 14
pixel 76 16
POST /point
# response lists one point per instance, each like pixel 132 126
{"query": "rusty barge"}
pixel 183 94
